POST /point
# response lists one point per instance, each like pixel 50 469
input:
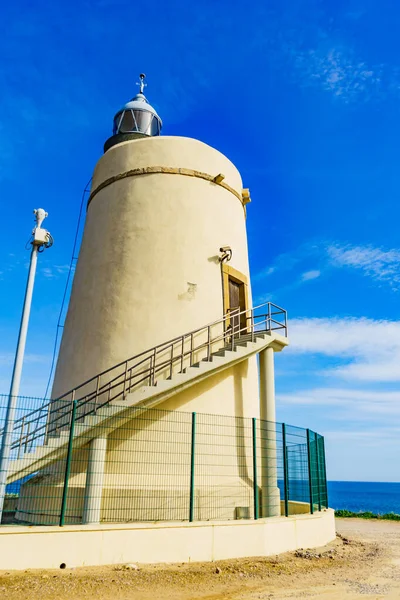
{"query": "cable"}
pixel 73 258
pixel 29 243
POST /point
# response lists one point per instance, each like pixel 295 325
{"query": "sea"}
pixel 360 496
pixel 357 496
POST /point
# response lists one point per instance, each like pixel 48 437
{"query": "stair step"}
pixel 40 451
pixel 109 410
pixel 91 420
pixel 174 376
pixel 195 366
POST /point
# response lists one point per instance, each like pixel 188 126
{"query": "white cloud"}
pixel 309 275
pixel 352 403
pixel 47 272
pixel 369 436
pixel 370 348
pixel 51 272
pixel 64 268
pixel 380 265
pixel 338 70
pixel 8 358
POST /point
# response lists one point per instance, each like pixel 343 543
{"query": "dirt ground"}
pixel 363 562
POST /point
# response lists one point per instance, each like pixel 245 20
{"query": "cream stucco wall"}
pixel 76 546
pixel 148 267
pixel 148 271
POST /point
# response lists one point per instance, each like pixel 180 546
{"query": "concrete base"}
pixel 91 545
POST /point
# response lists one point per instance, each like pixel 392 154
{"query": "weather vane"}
pixel 142 84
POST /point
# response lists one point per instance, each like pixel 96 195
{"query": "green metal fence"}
pixel 122 464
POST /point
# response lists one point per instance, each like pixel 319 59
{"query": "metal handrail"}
pixel 152 365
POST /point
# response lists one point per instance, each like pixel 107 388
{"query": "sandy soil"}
pixel 364 562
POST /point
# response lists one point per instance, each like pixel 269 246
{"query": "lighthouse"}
pixel 149 268
pixel 160 328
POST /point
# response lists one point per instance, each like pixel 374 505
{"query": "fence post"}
pixel 285 470
pixel 310 472
pixel 192 459
pixel 317 468
pixel 255 484
pixel 324 464
pixel 68 463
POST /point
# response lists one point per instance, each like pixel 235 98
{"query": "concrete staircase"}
pixel 115 414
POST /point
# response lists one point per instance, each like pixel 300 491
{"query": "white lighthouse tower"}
pixel 149 268
pixel 160 315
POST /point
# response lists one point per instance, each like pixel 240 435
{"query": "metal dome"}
pixel 137 116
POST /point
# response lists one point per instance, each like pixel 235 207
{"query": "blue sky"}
pixel 303 96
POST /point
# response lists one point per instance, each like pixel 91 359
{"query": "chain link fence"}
pixel 124 464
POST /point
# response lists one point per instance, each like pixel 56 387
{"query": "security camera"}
pixel 226 254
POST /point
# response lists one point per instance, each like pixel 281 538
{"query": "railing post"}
pixel 172 360
pixel 68 462
pixel 125 378
pixel 97 393
pixel 255 483
pixel 191 349
pixel 46 427
pixel 153 377
pixel 310 472
pixel 183 352
pixel 285 471
pixel 20 437
pixel 28 431
pixel 269 317
pixel 232 320
pixel 317 468
pixel 192 461
pixel 208 342
pixel 252 325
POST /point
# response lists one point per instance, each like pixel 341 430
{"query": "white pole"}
pixel 41 237
pixel 94 480
pixel 270 506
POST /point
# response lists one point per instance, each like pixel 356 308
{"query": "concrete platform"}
pixel 35 547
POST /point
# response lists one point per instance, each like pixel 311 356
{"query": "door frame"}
pixel 228 273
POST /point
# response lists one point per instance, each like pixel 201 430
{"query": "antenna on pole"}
pixel 142 84
pixel 41 239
